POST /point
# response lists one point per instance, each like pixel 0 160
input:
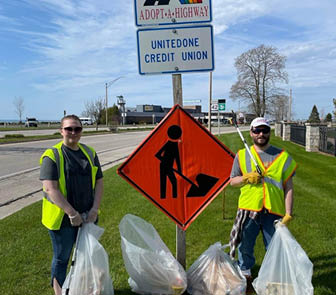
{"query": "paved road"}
pixel 19 173
pixel 32 132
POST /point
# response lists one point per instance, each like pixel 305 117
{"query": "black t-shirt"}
pixel 77 172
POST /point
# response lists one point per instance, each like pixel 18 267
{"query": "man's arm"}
pixel 289 196
pixel 237 181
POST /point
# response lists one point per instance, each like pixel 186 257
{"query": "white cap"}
pixel 260 121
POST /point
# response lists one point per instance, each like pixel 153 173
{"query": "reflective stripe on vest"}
pixel 52 215
pixel 270 193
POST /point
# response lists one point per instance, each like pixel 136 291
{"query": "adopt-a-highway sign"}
pixel 175 49
pixel 166 12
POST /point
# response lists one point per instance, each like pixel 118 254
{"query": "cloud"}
pixel 83 45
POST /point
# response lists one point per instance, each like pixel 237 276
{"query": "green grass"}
pixel 25 248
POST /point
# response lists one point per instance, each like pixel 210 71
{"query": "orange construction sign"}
pixel 180 167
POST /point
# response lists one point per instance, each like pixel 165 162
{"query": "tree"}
pixel 314 116
pixel 19 106
pixel 279 107
pixel 334 101
pixel 328 117
pixel 93 109
pixel 259 70
pixel 113 114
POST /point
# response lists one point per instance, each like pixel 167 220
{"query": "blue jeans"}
pixel 264 222
pixel 62 243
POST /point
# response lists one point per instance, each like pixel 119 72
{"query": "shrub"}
pixel 14 135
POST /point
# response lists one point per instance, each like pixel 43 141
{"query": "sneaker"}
pixel 249 287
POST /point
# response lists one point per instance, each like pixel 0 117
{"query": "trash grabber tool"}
pixel 245 143
pixel 74 254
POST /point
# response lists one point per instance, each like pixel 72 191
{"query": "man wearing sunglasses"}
pixel 264 198
pixel 73 186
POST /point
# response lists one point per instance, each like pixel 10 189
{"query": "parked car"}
pixel 31 122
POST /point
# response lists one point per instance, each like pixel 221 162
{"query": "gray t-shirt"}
pixel 77 172
pixel 267 157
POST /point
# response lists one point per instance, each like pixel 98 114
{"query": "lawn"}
pixel 25 248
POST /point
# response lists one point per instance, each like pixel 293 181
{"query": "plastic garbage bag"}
pixel 215 273
pixel 151 266
pixel 90 273
pixel 286 269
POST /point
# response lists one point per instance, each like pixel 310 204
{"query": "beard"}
pixel 263 143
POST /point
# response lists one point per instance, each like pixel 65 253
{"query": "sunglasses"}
pixel 263 130
pixel 73 129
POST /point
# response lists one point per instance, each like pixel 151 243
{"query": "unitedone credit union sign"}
pixel 175 49
pixel 165 12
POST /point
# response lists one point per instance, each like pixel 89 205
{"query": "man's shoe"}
pixel 249 287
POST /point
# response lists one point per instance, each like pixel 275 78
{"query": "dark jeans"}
pixel 264 222
pixel 62 243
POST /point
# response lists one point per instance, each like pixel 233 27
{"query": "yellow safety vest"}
pixel 269 193
pixel 52 215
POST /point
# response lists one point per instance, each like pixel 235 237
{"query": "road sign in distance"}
pixel 221 105
pixel 175 49
pixel 214 107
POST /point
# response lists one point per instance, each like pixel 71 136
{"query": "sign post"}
pixel 180 233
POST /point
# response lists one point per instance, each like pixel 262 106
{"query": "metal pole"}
pixel 180 234
pixel 218 121
pixel 290 106
pixel 210 99
pixel 106 104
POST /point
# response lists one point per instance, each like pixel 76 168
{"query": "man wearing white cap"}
pixel 263 198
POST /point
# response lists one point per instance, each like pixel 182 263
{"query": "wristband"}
pixel 72 217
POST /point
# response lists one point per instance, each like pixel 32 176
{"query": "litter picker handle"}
pixel 245 143
pixel 73 260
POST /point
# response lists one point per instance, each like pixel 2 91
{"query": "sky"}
pixel 58 54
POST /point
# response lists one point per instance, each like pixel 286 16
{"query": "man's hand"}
pixel 251 177
pixel 286 219
pixel 76 220
pixel 92 215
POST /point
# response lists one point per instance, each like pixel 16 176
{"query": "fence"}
pixel 313 137
pixel 327 142
pixel 298 134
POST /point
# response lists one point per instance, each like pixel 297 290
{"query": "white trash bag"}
pixel 286 268
pixel 215 273
pixel 151 266
pixel 90 273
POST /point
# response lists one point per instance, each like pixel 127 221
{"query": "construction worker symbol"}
pixel 168 156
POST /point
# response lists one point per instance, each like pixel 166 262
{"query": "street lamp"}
pixel 107 85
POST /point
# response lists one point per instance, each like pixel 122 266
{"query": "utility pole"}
pixel 180 233
pixel 210 101
pixel 290 106
pixel 106 105
pixel 107 85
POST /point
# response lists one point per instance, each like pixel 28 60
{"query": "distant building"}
pixel 153 114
